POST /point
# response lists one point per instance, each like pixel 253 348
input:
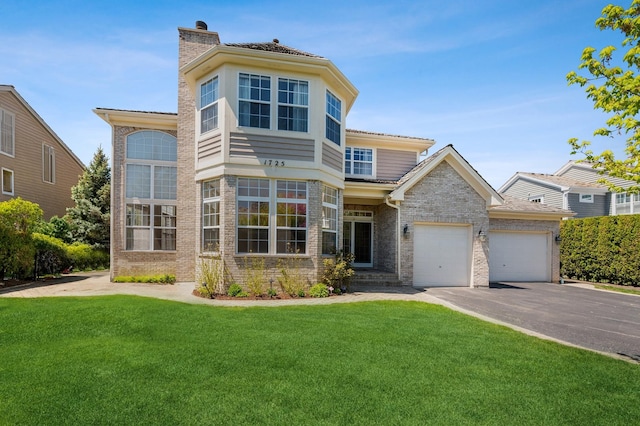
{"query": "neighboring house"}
pixel 573 187
pixel 258 162
pixel 36 164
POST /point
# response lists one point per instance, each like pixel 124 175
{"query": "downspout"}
pixel 398 232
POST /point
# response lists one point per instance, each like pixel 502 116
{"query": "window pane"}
pixel 211 189
pixel 138 181
pixel 165 182
pixel 209 92
pixel 164 216
pixel 329 242
pixel 152 145
pixel 209 118
pixel 138 239
pixel 332 130
pixel 164 239
pixel 7 181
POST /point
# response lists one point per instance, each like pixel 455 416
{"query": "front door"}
pixel 358 239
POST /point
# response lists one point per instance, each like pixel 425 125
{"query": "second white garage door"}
pixel 519 256
pixel 441 255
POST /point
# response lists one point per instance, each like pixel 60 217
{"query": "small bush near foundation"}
pixel 234 290
pixel 162 279
pixel 319 290
pixel 211 276
pixel 272 292
pixel 292 280
pixel 255 275
pixel 338 271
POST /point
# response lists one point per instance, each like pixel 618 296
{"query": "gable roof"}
pixel 561 183
pixel 10 89
pixel 462 166
pixel 513 207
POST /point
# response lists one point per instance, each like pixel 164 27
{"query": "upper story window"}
pixel 151 191
pixel 48 164
pixel 333 119
pixel 209 105
pixel 358 161
pixel 7 145
pixel 7 181
pixel 254 105
pixel 586 198
pixel 293 101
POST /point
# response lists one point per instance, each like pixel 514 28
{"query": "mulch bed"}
pixel 279 296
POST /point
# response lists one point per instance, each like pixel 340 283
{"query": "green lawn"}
pixel 628 290
pixel 129 360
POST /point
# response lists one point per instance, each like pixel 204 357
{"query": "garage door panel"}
pixel 441 255
pixel 518 256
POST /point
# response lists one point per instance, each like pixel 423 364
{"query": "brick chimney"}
pixel 192 43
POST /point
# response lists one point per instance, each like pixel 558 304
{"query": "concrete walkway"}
pixel 98 284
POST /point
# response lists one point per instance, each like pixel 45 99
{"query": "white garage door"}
pixel 519 256
pixel 441 255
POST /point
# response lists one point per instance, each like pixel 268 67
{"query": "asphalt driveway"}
pixel 599 320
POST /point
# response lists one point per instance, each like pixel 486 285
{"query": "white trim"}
pixel 4 113
pixel 13 189
pixel 585 198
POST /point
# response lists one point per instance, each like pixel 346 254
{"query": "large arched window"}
pixel 150 191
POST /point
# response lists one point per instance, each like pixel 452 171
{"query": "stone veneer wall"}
pixel 125 262
pixel 552 227
pixel 443 196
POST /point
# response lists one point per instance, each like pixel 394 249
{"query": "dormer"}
pixel 266 104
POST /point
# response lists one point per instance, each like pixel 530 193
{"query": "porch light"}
pixel 482 236
pixel 405 229
pixel 558 238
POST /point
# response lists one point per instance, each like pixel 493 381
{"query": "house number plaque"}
pixel 274 163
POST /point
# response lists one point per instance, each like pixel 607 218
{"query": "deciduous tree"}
pixel 613 84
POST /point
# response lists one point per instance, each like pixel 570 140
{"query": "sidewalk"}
pixel 98 284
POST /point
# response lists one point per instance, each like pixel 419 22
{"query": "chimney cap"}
pixel 201 25
pixel 276 41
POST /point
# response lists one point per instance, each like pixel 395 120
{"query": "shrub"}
pixel 51 255
pixel 255 276
pixel 319 290
pixel 292 280
pixel 234 290
pixel 601 249
pixel 84 257
pixel 271 292
pixel 161 278
pixel 211 276
pixel 338 271
pixel 18 220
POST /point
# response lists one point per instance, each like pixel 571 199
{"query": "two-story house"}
pixel 35 163
pixel 258 162
pixel 576 187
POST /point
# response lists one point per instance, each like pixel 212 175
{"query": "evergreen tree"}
pixel 91 215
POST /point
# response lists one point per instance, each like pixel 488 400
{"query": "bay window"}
pixel 271 216
pixel 209 105
pixel 211 215
pixel 329 219
pixel 293 101
pixel 254 106
pixel 333 118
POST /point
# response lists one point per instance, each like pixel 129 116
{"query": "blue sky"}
pixel 487 77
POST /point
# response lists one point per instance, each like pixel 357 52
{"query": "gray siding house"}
pixel 576 187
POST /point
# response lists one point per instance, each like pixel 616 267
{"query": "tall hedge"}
pixel 601 249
